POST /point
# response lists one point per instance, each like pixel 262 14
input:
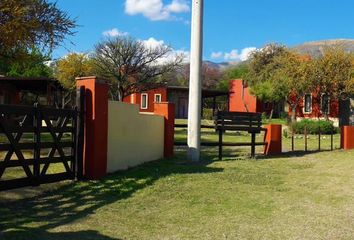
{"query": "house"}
pixel 174 94
pixel 19 90
pixel 241 100
pixel 313 105
pixel 317 105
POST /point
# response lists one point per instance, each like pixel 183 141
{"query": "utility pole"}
pixel 195 82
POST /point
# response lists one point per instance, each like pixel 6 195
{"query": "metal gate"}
pixel 32 138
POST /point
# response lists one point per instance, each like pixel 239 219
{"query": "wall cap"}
pixel 95 78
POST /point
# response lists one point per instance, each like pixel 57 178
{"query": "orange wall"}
pixel 136 98
pixel 316 108
pixel 240 97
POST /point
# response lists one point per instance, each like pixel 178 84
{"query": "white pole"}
pixel 195 82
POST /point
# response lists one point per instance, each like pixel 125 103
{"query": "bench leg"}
pixel 253 146
pixel 220 145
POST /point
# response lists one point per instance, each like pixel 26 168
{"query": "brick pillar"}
pixel 347 137
pixel 96 126
pixel 273 139
pixel 167 110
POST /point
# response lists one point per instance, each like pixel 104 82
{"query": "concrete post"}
pixel 273 140
pixel 195 82
pixel 347 137
pixel 167 110
pixel 96 127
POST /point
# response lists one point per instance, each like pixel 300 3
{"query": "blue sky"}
pixel 231 27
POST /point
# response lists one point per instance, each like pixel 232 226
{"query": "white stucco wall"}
pixel 133 138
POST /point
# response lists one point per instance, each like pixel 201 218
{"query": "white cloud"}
pixel 216 55
pixel 235 55
pixel 114 33
pixel 246 53
pixel 154 43
pixel 178 6
pixel 155 10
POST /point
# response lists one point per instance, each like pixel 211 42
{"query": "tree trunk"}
pixel 271 112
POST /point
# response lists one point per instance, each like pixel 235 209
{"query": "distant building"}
pixel 241 100
pixel 174 94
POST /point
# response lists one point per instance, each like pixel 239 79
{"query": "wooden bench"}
pixel 239 121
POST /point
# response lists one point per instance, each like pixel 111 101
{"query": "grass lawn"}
pixel 293 196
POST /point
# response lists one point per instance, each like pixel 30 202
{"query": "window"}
pixel 325 103
pixel 132 98
pixel 157 98
pixel 308 103
pixel 144 101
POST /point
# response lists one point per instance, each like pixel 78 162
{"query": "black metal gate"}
pixel 32 138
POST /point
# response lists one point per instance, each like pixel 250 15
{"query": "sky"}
pixel 232 28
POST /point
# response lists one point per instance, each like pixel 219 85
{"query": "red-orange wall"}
pixel 316 108
pixel 240 96
pixel 151 95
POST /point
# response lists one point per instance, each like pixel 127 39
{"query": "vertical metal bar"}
pixel 305 138
pixel 319 137
pixel 292 139
pixel 221 130
pixel 80 132
pixel 332 132
pixel 253 146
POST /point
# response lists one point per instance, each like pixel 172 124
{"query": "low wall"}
pixel 133 138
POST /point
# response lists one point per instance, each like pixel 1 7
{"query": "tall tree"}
pixel 32 64
pixel 277 74
pixel 239 71
pixel 132 66
pixel 28 23
pixel 71 66
pixel 334 72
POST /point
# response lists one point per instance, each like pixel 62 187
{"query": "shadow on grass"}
pixel 39 235
pixel 36 216
pixel 292 154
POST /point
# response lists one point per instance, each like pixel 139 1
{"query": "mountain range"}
pixel 313 49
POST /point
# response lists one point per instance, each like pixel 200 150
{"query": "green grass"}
pixel 293 196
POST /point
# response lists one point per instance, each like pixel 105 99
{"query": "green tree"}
pixel 32 64
pixel 277 74
pixel 30 29
pixel 71 66
pixel 132 66
pixel 28 23
pixel 235 72
pixel 334 72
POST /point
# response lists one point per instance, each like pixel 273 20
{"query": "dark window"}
pixel 325 103
pixel 308 103
pixel 144 101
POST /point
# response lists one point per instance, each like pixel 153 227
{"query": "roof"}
pixel 30 83
pixel 206 93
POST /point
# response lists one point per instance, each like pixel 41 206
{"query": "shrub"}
pixel 314 126
pixel 208 114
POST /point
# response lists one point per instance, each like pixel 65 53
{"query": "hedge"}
pixel 313 127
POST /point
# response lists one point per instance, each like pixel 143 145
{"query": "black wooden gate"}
pixel 33 138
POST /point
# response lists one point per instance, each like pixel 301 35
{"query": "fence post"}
pixel 96 127
pixel 37 144
pixel 305 133
pixel 347 137
pixel 273 139
pixel 167 110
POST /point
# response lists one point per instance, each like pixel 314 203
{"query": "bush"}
pixel 208 114
pixel 314 126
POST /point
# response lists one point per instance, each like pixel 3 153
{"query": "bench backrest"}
pixel 238 121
